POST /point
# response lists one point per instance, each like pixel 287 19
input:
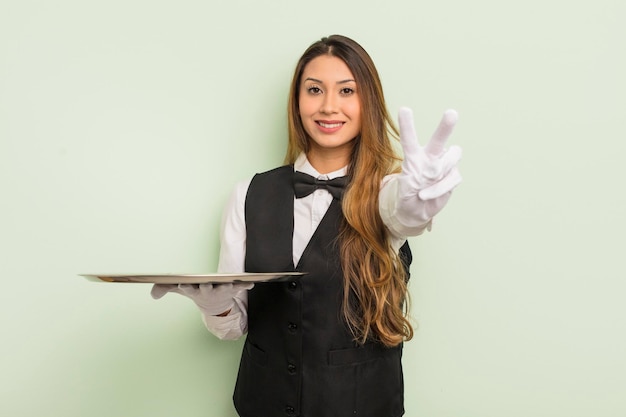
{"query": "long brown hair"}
pixel 373 272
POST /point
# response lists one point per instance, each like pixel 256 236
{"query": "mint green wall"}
pixel 125 124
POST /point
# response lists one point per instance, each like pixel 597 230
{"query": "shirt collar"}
pixel 302 164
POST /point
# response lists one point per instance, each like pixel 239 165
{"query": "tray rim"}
pixel 212 278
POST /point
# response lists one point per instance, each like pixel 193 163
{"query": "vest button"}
pixel 292 327
pixel 293 285
pixel 291 368
pixel 290 410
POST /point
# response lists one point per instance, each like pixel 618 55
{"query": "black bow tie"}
pixel 304 184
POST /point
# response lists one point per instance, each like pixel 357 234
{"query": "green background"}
pixel 124 126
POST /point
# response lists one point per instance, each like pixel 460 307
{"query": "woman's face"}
pixel 330 108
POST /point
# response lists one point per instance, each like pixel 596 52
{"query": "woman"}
pixel 328 344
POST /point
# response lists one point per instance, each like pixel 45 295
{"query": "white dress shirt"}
pixel 308 213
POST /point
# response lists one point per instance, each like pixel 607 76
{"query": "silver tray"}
pixel 194 278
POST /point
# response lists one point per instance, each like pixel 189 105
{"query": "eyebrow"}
pixel 315 80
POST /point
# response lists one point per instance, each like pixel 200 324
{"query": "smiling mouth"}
pixel 330 125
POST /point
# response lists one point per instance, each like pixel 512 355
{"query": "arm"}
pixel 408 201
pixel 232 255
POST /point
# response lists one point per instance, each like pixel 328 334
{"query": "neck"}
pixel 325 162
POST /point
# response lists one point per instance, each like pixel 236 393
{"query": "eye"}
pixel 346 91
pixel 314 90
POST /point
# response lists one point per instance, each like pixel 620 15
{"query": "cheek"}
pixel 305 119
pixel 355 115
pixel 305 105
pixel 305 124
pixel 354 109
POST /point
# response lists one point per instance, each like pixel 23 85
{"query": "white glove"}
pixel 212 300
pixel 429 173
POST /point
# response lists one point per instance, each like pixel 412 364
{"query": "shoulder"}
pixel 241 187
pixel 274 177
pixel 279 171
pixel 237 197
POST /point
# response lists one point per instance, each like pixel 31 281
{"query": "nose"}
pixel 329 104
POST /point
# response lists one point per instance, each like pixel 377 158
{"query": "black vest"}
pixel 299 358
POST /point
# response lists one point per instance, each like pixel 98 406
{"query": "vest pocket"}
pixel 359 354
pixel 255 354
pixel 253 391
pixel 376 378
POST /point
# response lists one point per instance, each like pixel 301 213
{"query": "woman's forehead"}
pixel 327 69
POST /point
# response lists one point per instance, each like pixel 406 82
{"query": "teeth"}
pixel 329 125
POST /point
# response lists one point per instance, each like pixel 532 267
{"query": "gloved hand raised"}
pixel 429 173
pixel 211 299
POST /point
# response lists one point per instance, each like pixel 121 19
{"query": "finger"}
pixel 437 168
pixel 242 286
pixel 438 140
pixel 433 207
pixel 408 137
pixel 447 184
pixel 188 289
pixel 159 290
pixel 450 159
pixel 217 289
